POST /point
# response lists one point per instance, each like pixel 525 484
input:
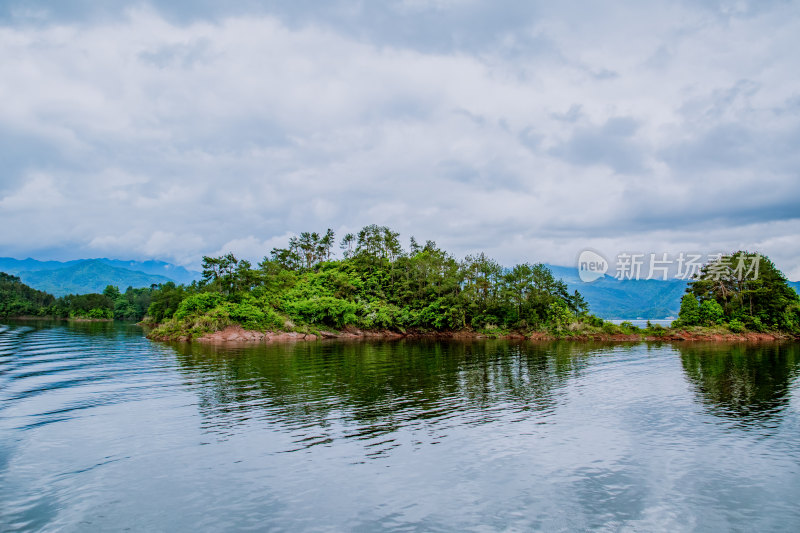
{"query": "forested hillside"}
pixel 377 285
pixel 20 300
pixel 17 299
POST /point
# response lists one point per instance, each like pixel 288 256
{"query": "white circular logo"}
pixel 591 266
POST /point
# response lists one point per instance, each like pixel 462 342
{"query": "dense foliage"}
pixel 17 299
pixel 743 291
pixel 377 285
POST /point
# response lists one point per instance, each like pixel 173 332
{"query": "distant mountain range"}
pixel 93 275
pixel 608 297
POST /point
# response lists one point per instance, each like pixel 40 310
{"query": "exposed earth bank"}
pixel 239 334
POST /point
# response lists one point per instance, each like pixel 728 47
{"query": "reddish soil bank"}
pixel 677 336
pixel 726 337
pixel 239 334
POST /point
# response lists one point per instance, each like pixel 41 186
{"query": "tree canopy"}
pixel 743 289
pixel 18 299
pixel 376 285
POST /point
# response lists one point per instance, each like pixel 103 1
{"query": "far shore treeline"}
pixel 379 285
pixel 19 300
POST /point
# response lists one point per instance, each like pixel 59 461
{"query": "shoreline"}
pixel 237 334
pixel 29 318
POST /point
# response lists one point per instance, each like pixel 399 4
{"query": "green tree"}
pixel 711 313
pixel 17 299
pixel 689 315
pixel 348 241
pixel 748 287
pixel 165 301
pixel 111 292
pixel 375 285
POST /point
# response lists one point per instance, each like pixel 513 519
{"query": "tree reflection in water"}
pixel 747 383
pixel 377 387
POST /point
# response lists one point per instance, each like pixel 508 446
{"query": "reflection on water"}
pixel 749 383
pixel 102 429
pixel 372 389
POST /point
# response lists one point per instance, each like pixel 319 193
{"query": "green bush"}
pixel 198 303
pixel 610 328
pixel 736 326
pixel 755 323
pixel 100 313
pixel 689 315
pixel 711 313
pixel 440 314
pixel 96 313
pixel 324 310
pixel 628 328
pixel 594 321
pixel 558 315
pixel 246 314
pixel 380 315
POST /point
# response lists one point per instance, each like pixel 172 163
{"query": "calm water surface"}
pixel 101 429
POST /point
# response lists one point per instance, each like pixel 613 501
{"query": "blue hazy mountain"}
pixel 609 297
pixel 15 266
pixel 178 274
pixel 795 285
pixel 93 275
pixel 175 273
pixel 87 276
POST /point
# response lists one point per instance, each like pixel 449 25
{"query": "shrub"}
pixel 755 323
pixel 628 327
pixel 198 304
pixel 610 328
pixel 594 321
pixel 440 314
pixel 380 315
pixel 324 310
pixel 558 315
pixel 689 315
pixel 736 326
pixel 100 313
pixel 711 313
pixel 251 316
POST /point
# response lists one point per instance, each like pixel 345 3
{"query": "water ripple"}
pixel 102 429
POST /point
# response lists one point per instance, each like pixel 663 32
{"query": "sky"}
pixel 527 130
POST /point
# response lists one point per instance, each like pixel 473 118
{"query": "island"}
pixel 379 289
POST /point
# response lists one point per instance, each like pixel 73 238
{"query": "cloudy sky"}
pixel 530 130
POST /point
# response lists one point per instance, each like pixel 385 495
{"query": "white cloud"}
pixel 38 191
pixel 252 248
pixel 577 127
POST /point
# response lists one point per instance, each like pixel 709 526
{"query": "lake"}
pixel 101 429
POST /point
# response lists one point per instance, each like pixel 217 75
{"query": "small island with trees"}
pixel 380 289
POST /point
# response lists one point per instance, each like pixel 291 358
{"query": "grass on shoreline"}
pixel 197 326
